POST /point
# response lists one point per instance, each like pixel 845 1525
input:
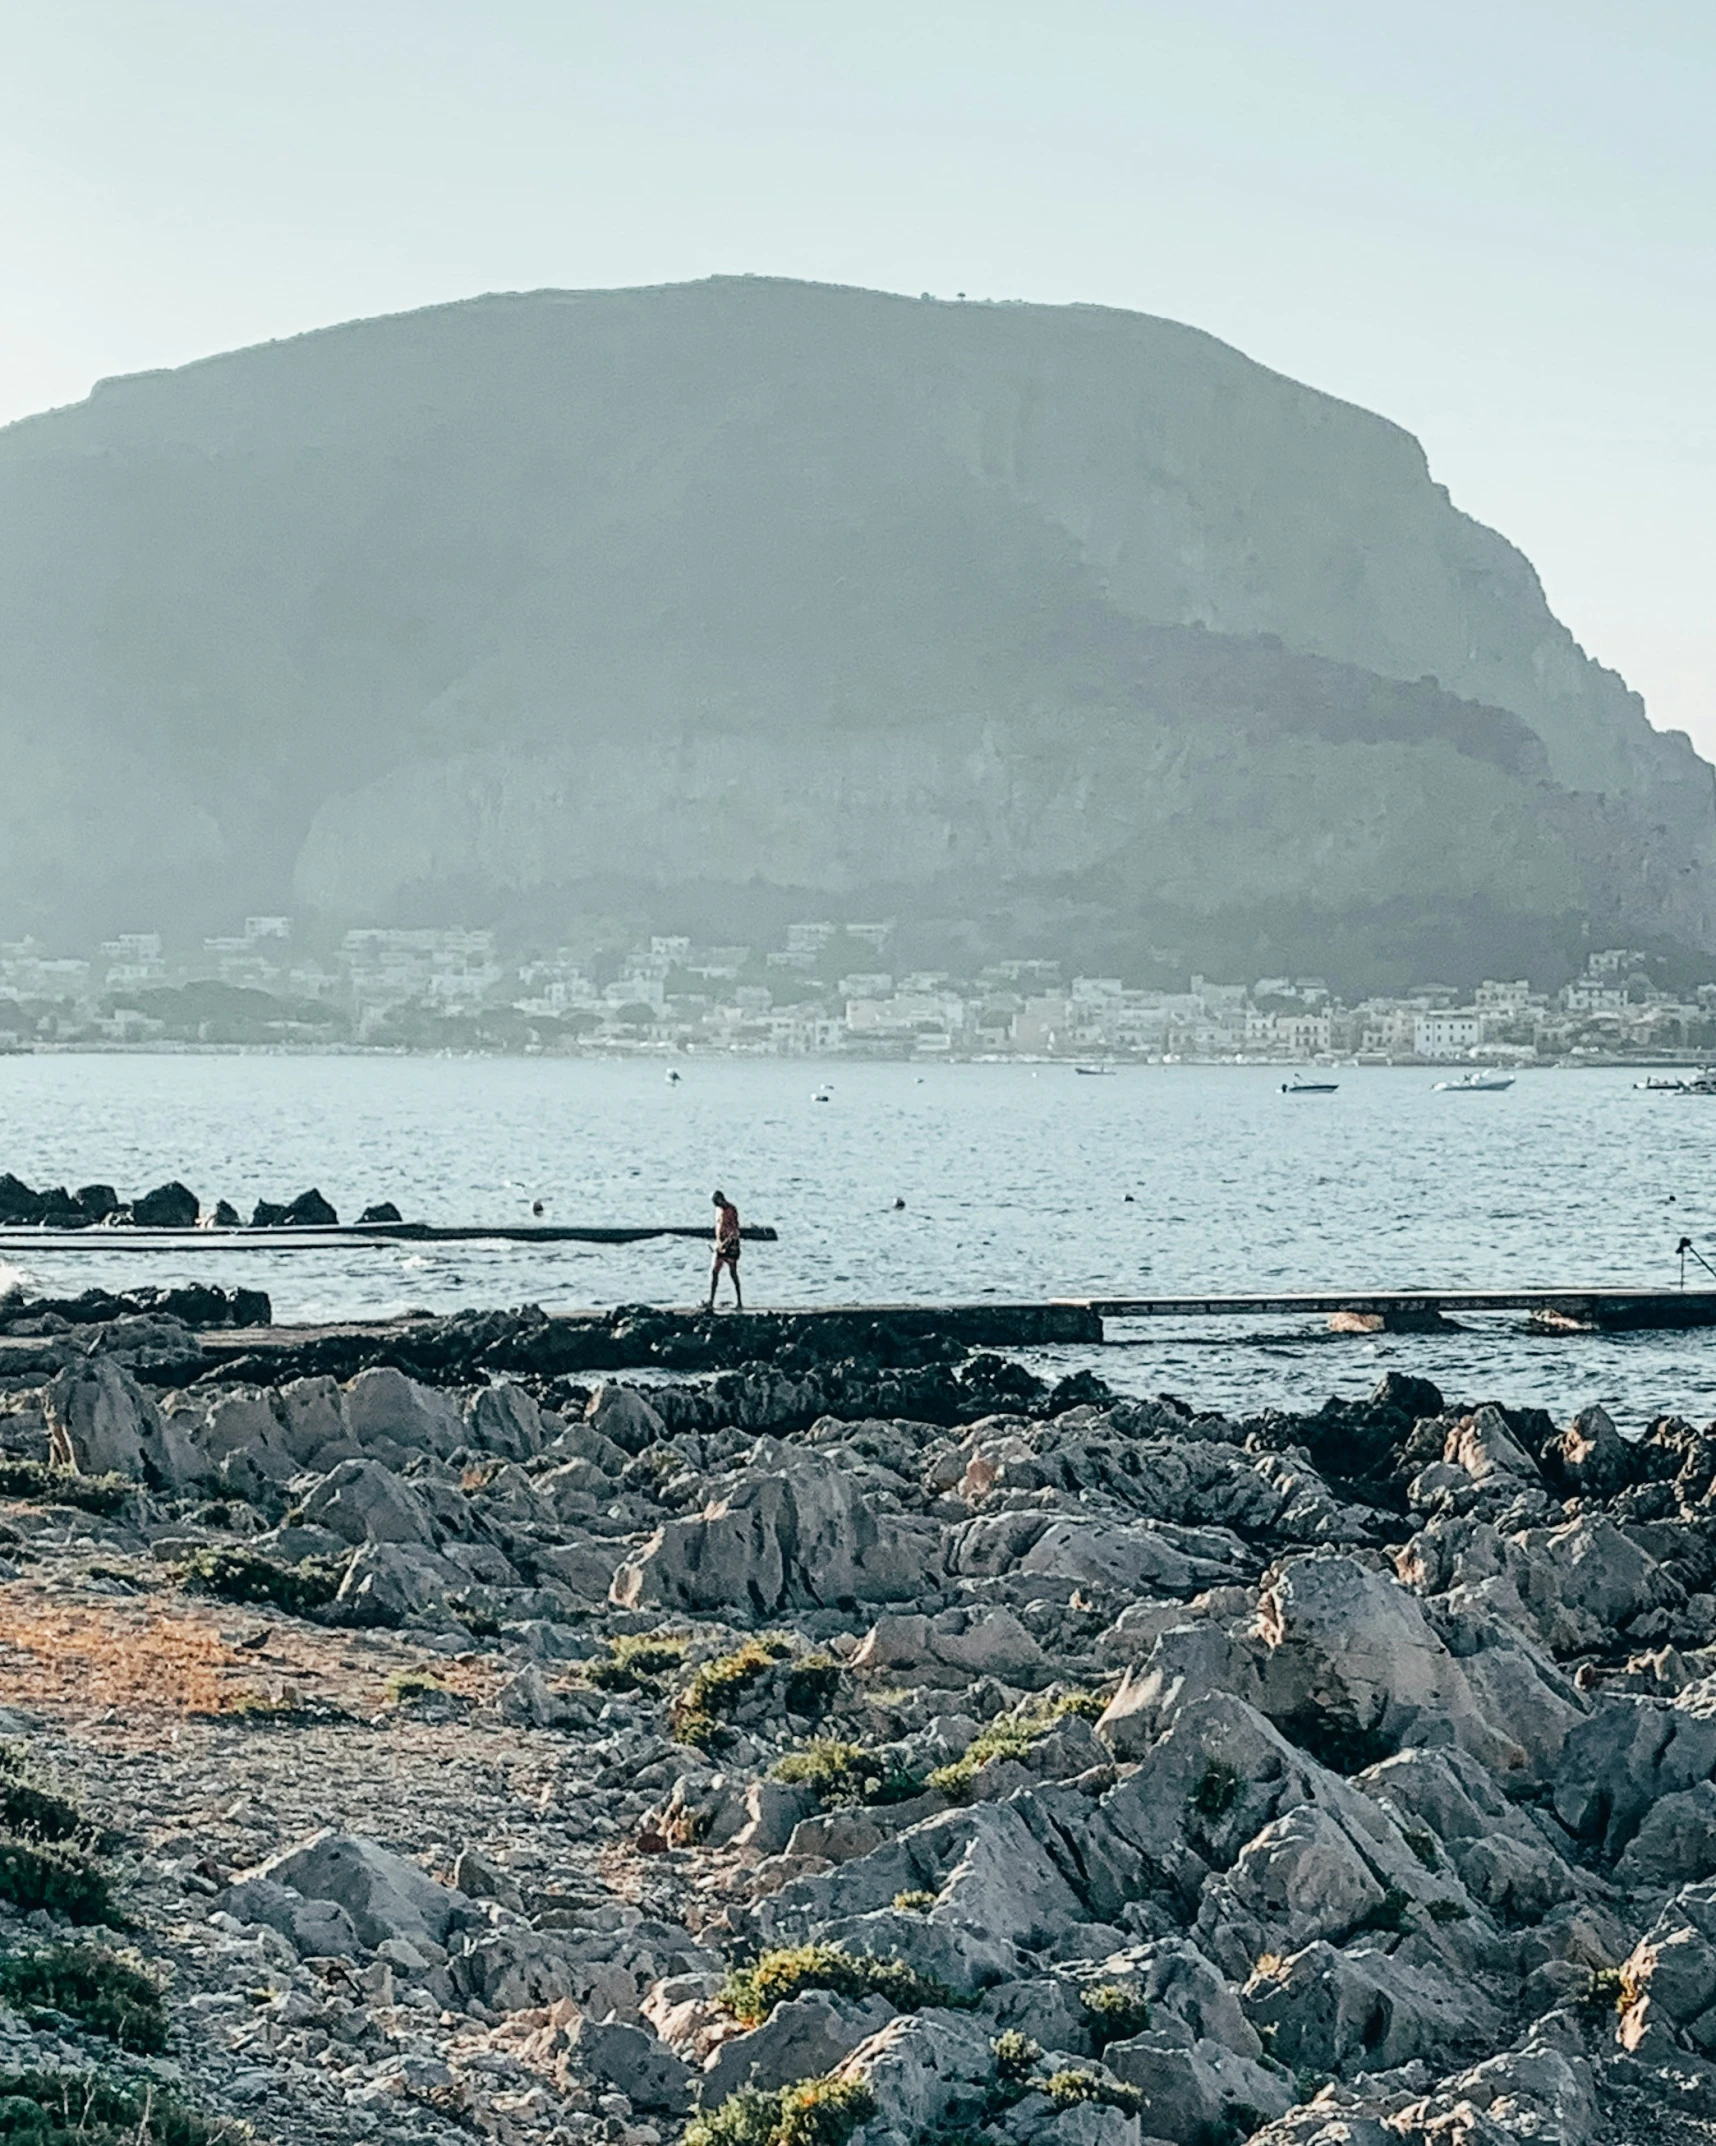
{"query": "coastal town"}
pixel 827 989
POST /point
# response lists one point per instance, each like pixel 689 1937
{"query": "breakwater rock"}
pixel 638 1760
pixel 169 1206
pixel 525 1342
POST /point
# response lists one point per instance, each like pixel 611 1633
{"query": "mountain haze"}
pixel 1042 628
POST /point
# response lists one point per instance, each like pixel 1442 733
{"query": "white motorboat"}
pixel 1475 1084
pixel 1299 1085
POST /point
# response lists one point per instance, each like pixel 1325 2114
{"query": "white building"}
pixel 1446 1035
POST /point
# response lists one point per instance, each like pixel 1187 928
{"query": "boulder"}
pixel 952 1649
pixel 512 1969
pixel 361 1501
pixel 384 1895
pixel 310 1211
pixel 773 1809
pixel 1589 1458
pixel 622 1415
pixel 169 1206
pixel 504 1419
pixel 394 1418
pixel 1628 1754
pixel 1187 1662
pixel 1350 1653
pixel 100 1421
pixel 801 2039
pixel 96 1202
pixel 1198 2089
pixel 927 2070
pixel 791 1531
pixel 1485 1448
pixel 1675 1842
pixel 390 1583
pixel 382 1211
pixel 1362 2010
pixel 634 2062
pixel 319 1929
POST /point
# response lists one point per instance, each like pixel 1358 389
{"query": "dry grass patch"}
pixel 142 1663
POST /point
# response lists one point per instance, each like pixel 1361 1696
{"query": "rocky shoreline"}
pixel 835 1735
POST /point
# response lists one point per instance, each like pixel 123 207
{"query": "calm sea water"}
pixel 1015 1181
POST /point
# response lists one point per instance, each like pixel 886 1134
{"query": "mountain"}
pixel 1041 628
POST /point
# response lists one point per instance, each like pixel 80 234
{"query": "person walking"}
pixel 727 1246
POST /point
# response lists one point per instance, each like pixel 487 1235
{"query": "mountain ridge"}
pixel 1072 583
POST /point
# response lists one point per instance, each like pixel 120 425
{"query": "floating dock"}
pixel 1583 1310
pixel 99 1237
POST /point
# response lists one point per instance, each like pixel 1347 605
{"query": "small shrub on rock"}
pixel 1001 1740
pixel 105 1994
pixel 913 1902
pixel 1214 1795
pixel 81 2108
pixel 811 1685
pixel 1116 2011
pixel 39 1482
pixel 56 1875
pixel 635 1662
pixel 840 1774
pixel 247 1576
pixel 717 1687
pixel 1067 2088
pixel 815 2112
pixel 751 1993
pixel 29 1806
pixel 1016 2056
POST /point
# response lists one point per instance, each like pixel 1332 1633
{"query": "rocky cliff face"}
pixel 748 580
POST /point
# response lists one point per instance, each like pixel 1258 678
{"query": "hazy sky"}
pixel 1490 219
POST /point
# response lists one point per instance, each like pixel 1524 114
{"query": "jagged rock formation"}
pixel 778 592
pixel 1090 1773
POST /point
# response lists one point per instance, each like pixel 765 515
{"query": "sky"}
pixel 1492 220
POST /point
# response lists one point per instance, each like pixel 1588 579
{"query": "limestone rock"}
pixel 384 1895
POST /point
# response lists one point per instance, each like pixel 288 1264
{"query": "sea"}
pixel 938 1182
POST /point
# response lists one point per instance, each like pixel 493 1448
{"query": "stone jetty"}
pixel 841 1741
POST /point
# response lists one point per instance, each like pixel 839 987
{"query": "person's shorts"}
pixel 726 1255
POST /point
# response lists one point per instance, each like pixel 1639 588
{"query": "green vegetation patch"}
pixel 28 1805
pixel 815 2112
pixel 751 1993
pixel 105 1993
pixel 39 1482
pixel 840 1774
pixel 1012 1737
pixel 1067 2088
pixel 717 1688
pixel 1116 2012
pixel 1214 1795
pixel 56 1875
pixel 636 1662
pixel 247 1576
pixel 1016 2056
pixel 75 2108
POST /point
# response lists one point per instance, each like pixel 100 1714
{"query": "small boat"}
pixel 1475 1084
pixel 1299 1085
pixel 823 1095
pixel 1095 1072
pixel 672 1077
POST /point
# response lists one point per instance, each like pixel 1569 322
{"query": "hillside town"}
pixel 827 990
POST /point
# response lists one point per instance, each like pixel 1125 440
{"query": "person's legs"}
pixel 714 1278
pixel 738 1295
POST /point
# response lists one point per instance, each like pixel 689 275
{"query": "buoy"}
pixel 536 1207
pixel 898 1206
